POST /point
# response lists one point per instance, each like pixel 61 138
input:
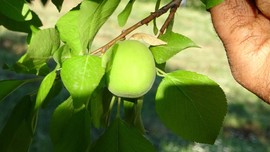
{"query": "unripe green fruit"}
pixel 132 69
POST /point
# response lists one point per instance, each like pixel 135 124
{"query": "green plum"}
pixel 131 71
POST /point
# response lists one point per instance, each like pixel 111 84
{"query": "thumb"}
pixel 264 7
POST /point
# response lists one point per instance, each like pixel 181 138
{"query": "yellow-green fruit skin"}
pixel 132 71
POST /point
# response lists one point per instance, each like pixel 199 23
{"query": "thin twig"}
pixel 145 21
pixel 169 18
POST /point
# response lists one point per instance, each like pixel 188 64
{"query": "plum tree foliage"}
pixel 119 73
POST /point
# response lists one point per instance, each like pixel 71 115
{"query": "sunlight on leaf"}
pixel 79 26
pixel 68 29
pixel 45 88
pixel 97 14
pixel 175 43
pixel 44 43
pixel 123 16
pixel 81 75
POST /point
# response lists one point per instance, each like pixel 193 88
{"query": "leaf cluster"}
pixel 60 58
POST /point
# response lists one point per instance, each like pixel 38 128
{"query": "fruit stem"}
pixel 108 113
pixel 161 73
pixel 118 107
pixel 112 103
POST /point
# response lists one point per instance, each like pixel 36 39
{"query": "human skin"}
pixel 244 28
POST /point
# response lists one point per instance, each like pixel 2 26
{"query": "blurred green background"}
pixel 246 127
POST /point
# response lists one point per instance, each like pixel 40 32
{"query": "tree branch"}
pixel 174 4
pixel 169 19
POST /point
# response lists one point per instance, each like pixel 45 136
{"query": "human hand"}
pixel 244 28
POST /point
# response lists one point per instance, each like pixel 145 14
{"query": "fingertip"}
pixel 264 7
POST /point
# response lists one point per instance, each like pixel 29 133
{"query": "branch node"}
pixel 172 6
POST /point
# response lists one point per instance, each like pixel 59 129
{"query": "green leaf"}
pixel 45 88
pixel 55 90
pixel 161 66
pixel 43 44
pixel 17 10
pixel 58 4
pixel 9 86
pixel 62 54
pixel 170 26
pixel 68 29
pixel 123 16
pixel 31 66
pixel 20 26
pixel 129 109
pixel 18 132
pixel 93 15
pixel 211 3
pixel 79 27
pixel 191 105
pixel 133 108
pixel 96 104
pixel 81 75
pixel 108 56
pixel 70 128
pixel 44 2
pixel 107 102
pixel 175 44
pixel 120 137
